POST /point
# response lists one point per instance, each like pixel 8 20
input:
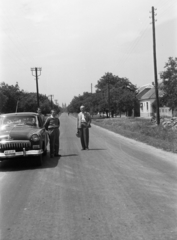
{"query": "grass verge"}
pixel 141 130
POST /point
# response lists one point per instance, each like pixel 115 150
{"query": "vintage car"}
pixel 22 134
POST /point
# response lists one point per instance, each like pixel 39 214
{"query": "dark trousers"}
pixel 54 140
pixel 84 136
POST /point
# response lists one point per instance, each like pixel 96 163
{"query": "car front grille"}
pixel 17 145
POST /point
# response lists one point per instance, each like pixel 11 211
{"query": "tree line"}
pixel 116 95
pixel 13 99
pixel 113 95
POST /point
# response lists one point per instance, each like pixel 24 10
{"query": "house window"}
pixel 162 110
pixel 141 106
pixel 147 105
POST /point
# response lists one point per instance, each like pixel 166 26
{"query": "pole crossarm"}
pixel 38 69
pixel 36 75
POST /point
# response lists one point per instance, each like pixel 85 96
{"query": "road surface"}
pixel 120 189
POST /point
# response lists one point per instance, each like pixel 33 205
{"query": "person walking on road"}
pixel 41 116
pixel 52 125
pixel 83 125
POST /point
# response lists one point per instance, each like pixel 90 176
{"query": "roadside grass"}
pixel 141 130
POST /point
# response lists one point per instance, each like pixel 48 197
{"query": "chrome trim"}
pixel 23 154
pixel 15 144
pixel 14 141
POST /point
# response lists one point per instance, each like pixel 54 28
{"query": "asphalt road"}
pixel 120 189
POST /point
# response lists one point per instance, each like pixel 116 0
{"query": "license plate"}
pixel 9 152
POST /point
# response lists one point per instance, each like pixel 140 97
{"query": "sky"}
pixel 76 42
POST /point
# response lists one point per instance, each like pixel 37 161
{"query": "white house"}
pixel 146 99
pixel 145 104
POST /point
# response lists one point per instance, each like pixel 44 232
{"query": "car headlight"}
pixel 35 138
pixel 4 137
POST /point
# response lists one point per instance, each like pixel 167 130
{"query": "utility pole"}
pixel 108 99
pixel 17 105
pixel 155 68
pixel 36 75
pixel 91 106
pixel 51 100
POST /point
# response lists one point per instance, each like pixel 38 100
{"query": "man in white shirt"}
pixel 83 125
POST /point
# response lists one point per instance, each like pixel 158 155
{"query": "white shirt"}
pixel 83 118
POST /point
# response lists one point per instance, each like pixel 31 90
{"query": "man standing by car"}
pixel 52 125
pixel 41 115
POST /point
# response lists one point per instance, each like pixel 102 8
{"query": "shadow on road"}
pixel 96 149
pixel 69 155
pixel 24 164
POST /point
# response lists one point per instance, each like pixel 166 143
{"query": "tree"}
pixel 169 87
pixel 112 93
pixel 89 100
pixel 3 100
pixel 75 104
pixel 108 78
pixel 122 93
pixel 154 104
pixel 12 94
pixel 28 103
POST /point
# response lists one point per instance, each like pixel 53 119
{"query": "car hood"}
pixel 17 132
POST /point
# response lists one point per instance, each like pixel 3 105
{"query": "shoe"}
pixel 57 155
pixel 51 156
pixel 83 148
pixel 87 148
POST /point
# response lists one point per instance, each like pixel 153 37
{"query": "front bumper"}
pixel 23 153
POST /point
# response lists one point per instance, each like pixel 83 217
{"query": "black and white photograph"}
pixel 88 120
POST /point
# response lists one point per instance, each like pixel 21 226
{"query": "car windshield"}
pixel 18 120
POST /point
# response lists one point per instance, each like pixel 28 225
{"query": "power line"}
pixel 166 8
pixel 143 33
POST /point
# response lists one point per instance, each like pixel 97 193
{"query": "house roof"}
pixel 143 92
pixel 151 94
pixel 140 89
